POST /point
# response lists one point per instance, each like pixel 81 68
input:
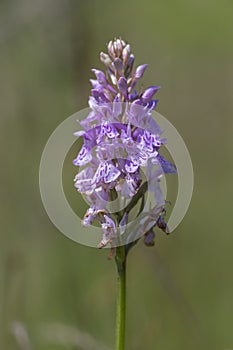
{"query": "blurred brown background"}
pixel 56 294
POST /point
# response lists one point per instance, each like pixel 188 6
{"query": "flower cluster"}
pixel 120 140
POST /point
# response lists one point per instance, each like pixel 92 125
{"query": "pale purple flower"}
pixel 120 139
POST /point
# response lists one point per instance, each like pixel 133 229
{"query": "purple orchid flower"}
pixel 120 140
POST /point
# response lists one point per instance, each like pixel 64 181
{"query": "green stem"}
pixel 121 297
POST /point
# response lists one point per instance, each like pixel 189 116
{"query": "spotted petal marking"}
pixel 106 172
pixel 111 173
pixel 107 129
pixel 83 157
pixel 131 165
pixel 110 131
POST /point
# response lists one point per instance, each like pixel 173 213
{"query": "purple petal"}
pixel 106 172
pixel 167 167
pixel 133 96
pixel 111 48
pixel 122 85
pixel 111 173
pixel 110 131
pixel 143 158
pixel 106 151
pixel 100 76
pixel 129 66
pixel 79 133
pixel 149 93
pixel 117 106
pixel 119 67
pixel 107 129
pixel 140 71
pixel 152 104
pixel 125 53
pixel 135 107
pixel 155 140
pixel 84 156
pixel 98 174
pixel 149 238
pixel 148 141
pixel 117 47
pixel 131 185
pixel 105 59
pixel 109 222
pixel 82 180
pixel 110 88
pixel 127 140
pixel 100 136
pixel 94 83
pixel 117 98
pixel 89 217
pixel 99 96
pixel 131 165
pixel 162 224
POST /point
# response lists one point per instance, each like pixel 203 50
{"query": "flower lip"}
pixel 84 156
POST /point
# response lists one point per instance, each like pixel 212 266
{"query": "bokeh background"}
pixel 56 294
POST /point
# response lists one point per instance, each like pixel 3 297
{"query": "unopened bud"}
pixel 149 238
pixel 140 71
pixel 149 93
pixel 105 59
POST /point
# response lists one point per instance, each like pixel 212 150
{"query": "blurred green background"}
pixel 56 294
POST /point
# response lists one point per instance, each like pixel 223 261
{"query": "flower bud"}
pixel 162 224
pixel 111 49
pixel 105 59
pixel 140 71
pixel 118 66
pixel 129 66
pixel 149 93
pixel 122 86
pixel 149 238
pixel 126 53
pixel 100 76
pixel 118 47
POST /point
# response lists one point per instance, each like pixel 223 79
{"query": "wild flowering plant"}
pixel 120 161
